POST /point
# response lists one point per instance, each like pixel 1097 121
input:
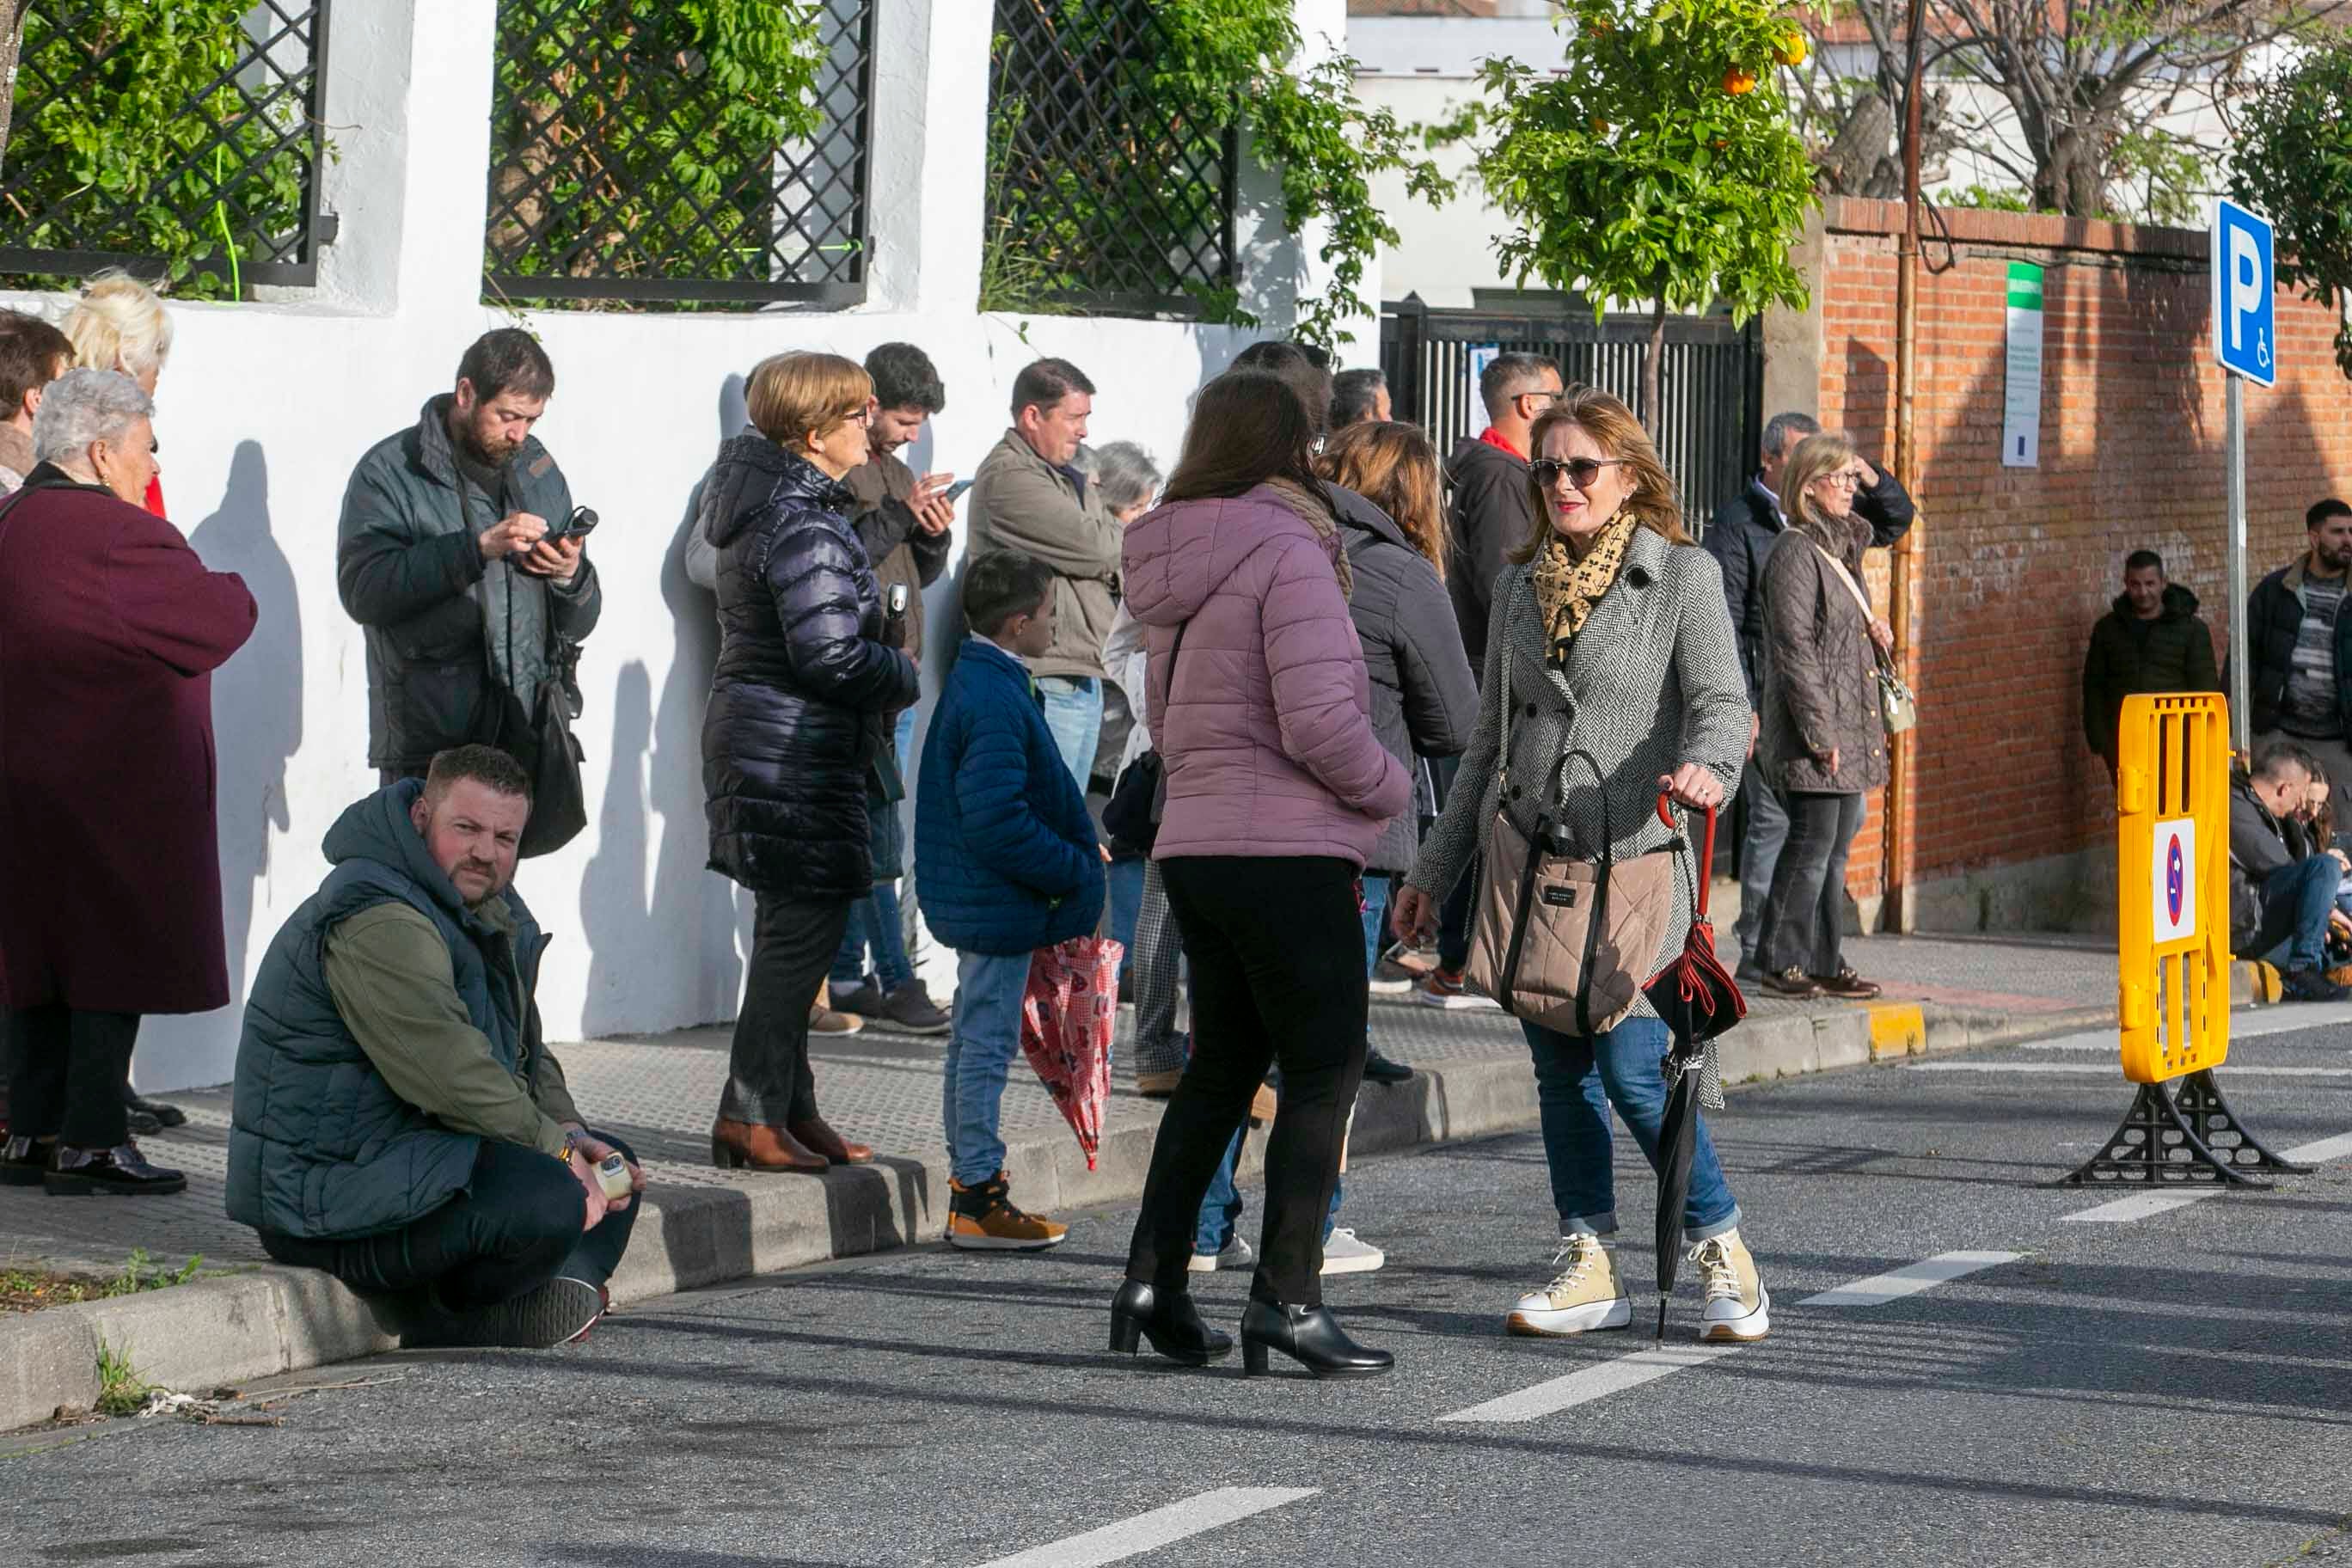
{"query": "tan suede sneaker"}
pixel 1738 1307
pixel 1585 1295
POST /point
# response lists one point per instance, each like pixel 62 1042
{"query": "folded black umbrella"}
pixel 1698 1000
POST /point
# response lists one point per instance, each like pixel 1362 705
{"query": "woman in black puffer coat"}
pixel 807 669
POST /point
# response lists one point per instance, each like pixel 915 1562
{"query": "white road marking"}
pixel 1909 1279
pixel 2139 1205
pixel 2109 1069
pixel 1161 1527
pixel 1592 1382
pixel 2317 1153
pixel 2245 1024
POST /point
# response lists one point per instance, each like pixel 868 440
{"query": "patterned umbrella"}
pixel 1068 1016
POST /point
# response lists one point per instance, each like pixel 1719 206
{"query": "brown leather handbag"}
pixel 1560 939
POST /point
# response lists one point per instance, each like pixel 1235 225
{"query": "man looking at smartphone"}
pixel 904 523
pixel 451 554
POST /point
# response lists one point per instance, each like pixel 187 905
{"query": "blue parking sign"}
pixel 2245 328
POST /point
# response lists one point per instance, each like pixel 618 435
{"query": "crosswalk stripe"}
pixel 1588 1384
pixel 1150 1532
pixel 2109 1069
pixel 2139 1205
pixel 1909 1279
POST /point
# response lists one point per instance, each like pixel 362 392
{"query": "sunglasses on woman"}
pixel 1583 472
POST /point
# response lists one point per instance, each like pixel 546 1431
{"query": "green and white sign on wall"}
pixel 2021 416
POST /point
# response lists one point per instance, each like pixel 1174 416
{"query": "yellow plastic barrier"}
pixel 2172 884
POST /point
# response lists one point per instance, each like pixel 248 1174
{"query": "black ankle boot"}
pixel 1310 1336
pixel 1170 1321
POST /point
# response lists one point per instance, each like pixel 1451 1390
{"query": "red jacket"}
pixel 110 877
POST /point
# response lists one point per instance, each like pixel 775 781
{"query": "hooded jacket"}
pixel 2128 656
pixel 1425 698
pixel 1265 722
pixel 1741 539
pixel 445 630
pixel 902 553
pixel 1820 693
pixel 320 1143
pixel 1486 490
pixel 802 682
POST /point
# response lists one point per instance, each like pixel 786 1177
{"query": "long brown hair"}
pixel 1248 428
pixel 1394 465
pixel 1614 430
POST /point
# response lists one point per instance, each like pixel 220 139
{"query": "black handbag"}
pixel 551 755
pixel 1139 798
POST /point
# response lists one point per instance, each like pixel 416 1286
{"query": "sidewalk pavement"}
pixel 702 1226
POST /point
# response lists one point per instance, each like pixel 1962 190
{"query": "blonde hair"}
pixel 1393 464
pixel 1620 436
pixel 1815 455
pixel 795 395
pixel 119 323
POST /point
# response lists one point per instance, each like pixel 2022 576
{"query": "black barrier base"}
pixel 2199 1102
pixel 2155 1146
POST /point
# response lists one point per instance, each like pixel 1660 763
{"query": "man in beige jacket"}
pixel 1028 496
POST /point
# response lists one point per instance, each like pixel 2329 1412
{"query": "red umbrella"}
pixel 1698 1000
pixel 1069 1015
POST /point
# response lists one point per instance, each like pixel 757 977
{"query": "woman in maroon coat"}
pixel 110 880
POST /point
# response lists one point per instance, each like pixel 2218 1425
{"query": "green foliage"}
pixel 120 1389
pixel 1660 163
pixel 1219 65
pixel 1989 198
pixel 683 108
pixel 118 164
pixel 2293 165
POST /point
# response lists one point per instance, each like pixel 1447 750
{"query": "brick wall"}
pixel 2015 565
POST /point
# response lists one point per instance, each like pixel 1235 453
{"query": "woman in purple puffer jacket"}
pixel 1276 791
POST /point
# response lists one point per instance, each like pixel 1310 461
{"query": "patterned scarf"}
pixel 1567 588
pixel 1319 518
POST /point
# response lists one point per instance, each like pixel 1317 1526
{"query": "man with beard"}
pixel 2301 684
pixel 397 1118
pixel 451 555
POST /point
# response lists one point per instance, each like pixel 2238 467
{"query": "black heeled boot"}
pixel 1170 1321
pixel 1310 1336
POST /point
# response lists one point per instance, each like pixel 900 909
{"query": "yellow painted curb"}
pixel 2261 981
pixel 1898 1029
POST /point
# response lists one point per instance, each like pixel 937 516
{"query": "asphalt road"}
pixel 2173 1388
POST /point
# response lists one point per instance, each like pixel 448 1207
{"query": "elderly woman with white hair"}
pixel 109 874
pixel 120 323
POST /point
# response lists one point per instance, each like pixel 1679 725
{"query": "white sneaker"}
pixel 1236 1255
pixel 1585 1295
pixel 1738 1307
pixel 1345 1252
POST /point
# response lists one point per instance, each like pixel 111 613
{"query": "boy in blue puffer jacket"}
pixel 1008 863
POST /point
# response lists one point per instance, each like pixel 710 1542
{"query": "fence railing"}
pixel 179 139
pixel 637 161
pixel 1105 191
pixel 1710 385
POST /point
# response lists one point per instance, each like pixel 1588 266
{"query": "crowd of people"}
pixel 1317 674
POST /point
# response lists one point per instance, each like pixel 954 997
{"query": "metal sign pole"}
pixel 2240 711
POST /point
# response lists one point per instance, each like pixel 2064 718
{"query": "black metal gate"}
pixel 1710 388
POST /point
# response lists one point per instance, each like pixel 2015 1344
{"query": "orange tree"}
pixel 1659 162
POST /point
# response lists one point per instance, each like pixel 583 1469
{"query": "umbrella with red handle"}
pixel 1698 1000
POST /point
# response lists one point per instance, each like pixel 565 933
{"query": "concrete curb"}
pixel 265 1320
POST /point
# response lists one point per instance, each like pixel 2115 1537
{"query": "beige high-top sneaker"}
pixel 1738 1307
pixel 1584 1295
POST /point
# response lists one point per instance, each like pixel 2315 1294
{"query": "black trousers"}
pixel 1277 947
pixel 792 947
pixel 65 1073
pixel 515 1227
pixel 1804 915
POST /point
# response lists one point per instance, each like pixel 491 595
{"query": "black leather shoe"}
pixel 1170 1321
pixel 24 1160
pixel 1310 1336
pixel 1379 1068
pixel 164 1115
pixel 121 1170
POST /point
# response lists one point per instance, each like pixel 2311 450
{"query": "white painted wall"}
pixel 264 407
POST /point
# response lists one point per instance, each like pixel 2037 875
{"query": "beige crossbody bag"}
pixel 1897 708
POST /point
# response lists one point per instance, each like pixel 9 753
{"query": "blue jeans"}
pixel 1072 705
pixel 1759 851
pixel 1457 906
pixel 875 919
pixel 980 1047
pixel 2297 899
pixel 1577 1080
pixel 1125 884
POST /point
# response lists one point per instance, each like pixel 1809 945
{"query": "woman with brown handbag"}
pixel 1612 677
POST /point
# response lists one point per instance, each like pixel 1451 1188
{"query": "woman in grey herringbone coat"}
pixel 1620 646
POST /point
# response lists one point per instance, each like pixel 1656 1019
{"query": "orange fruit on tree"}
pixel 1790 50
pixel 1738 80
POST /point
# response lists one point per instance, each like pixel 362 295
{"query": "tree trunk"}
pixel 12 36
pixel 1652 362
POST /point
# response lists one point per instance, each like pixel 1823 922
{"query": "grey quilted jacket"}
pixel 1653 681
pixel 1819 689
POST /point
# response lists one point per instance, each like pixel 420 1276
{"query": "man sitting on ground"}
pixel 2281 901
pixel 398 1121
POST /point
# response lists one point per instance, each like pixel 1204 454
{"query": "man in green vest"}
pixel 398 1121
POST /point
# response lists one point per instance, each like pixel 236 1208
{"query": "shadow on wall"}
pixel 256 702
